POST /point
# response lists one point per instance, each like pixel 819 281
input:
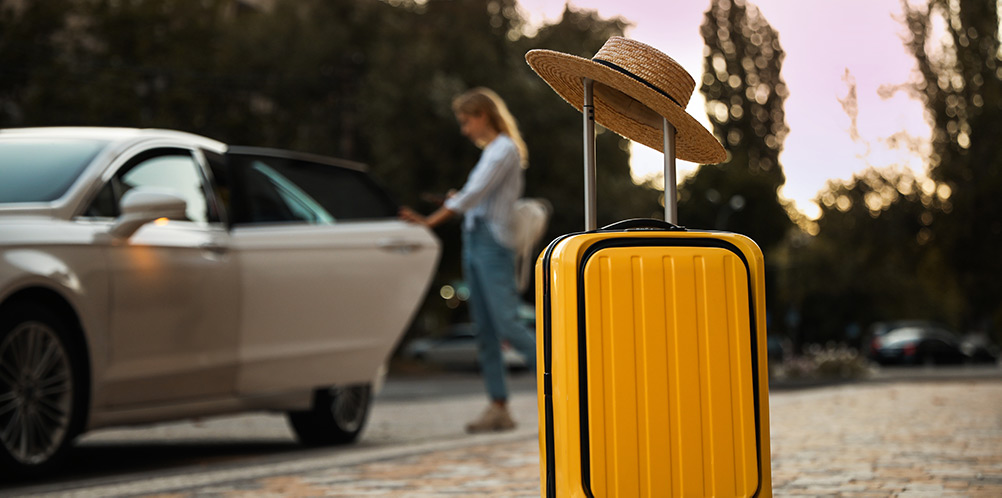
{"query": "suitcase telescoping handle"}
pixel 671 191
pixel 588 111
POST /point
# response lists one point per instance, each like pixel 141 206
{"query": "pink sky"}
pixel 821 39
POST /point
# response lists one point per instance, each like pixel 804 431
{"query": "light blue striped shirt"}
pixel 492 188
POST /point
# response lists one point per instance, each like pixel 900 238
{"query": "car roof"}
pixel 117 137
pixel 299 156
pixel 114 135
pixel 913 332
pixel 883 327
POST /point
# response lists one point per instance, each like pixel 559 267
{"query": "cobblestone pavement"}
pixel 901 439
pixel 869 439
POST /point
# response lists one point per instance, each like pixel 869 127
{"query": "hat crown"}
pixel 649 65
pixel 636 89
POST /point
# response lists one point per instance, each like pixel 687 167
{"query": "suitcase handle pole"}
pixel 671 189
pixel 588 112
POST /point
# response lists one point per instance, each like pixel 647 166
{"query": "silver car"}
pixel 148 275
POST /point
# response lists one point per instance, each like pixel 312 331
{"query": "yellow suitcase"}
pixel 653 364
pixel 651 339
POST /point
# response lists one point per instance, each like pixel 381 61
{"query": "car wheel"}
pixel 337 417
pixel 40 391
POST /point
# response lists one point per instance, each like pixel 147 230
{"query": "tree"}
pixel 744 92
pixel 873 257
pixel 553 134
pixel 959 79
pixel 370 81
pixel 35 43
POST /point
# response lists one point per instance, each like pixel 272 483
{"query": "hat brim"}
pixel 626 106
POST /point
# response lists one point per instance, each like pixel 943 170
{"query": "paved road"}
pixel 409 414
pixel 909 432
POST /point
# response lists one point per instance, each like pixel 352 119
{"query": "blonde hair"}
pixel 484 100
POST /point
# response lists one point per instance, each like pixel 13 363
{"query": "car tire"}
pixel 41 390
pixel 337 417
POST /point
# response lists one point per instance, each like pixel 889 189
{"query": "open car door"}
pixel 330 277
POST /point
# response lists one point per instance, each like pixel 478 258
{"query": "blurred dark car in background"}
pixel 917 343
pixel 457 350
pixel 776 350
pixel 979 348
pixel 456 346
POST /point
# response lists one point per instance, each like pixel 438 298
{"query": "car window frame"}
pixel 131 158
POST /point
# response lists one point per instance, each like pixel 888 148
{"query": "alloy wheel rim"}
pixel 349 407
pixel 36 392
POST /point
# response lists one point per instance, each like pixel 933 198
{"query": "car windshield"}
pixel 42 170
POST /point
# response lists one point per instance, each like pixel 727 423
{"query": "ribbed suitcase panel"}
pixel 669 370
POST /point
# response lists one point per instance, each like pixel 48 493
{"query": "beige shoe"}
pixel 494 418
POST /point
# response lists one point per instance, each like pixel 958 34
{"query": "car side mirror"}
pixel 143 205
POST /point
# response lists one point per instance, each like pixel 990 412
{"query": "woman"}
pixel 488 260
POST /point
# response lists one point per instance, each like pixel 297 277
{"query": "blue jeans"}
pixel 489 269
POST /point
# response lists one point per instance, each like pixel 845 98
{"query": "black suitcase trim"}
pixel 582 350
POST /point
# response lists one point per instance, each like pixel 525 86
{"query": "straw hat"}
pixel 635 85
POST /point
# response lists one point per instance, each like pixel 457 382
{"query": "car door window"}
pixel 347 193
pixel 275 188
pixel 176 171
pixel 263 195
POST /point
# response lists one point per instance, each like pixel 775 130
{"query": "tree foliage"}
pixel 959 79
pixel 744 92
pixel 366 80
pixel 873 258
pixel 890 246
pixel 557 145
pixel 373 80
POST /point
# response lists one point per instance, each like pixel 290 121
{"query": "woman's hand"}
pixel 410 215
pixel 438 199
pixel 437 218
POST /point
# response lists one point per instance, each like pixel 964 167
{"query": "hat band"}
pixel 638 78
